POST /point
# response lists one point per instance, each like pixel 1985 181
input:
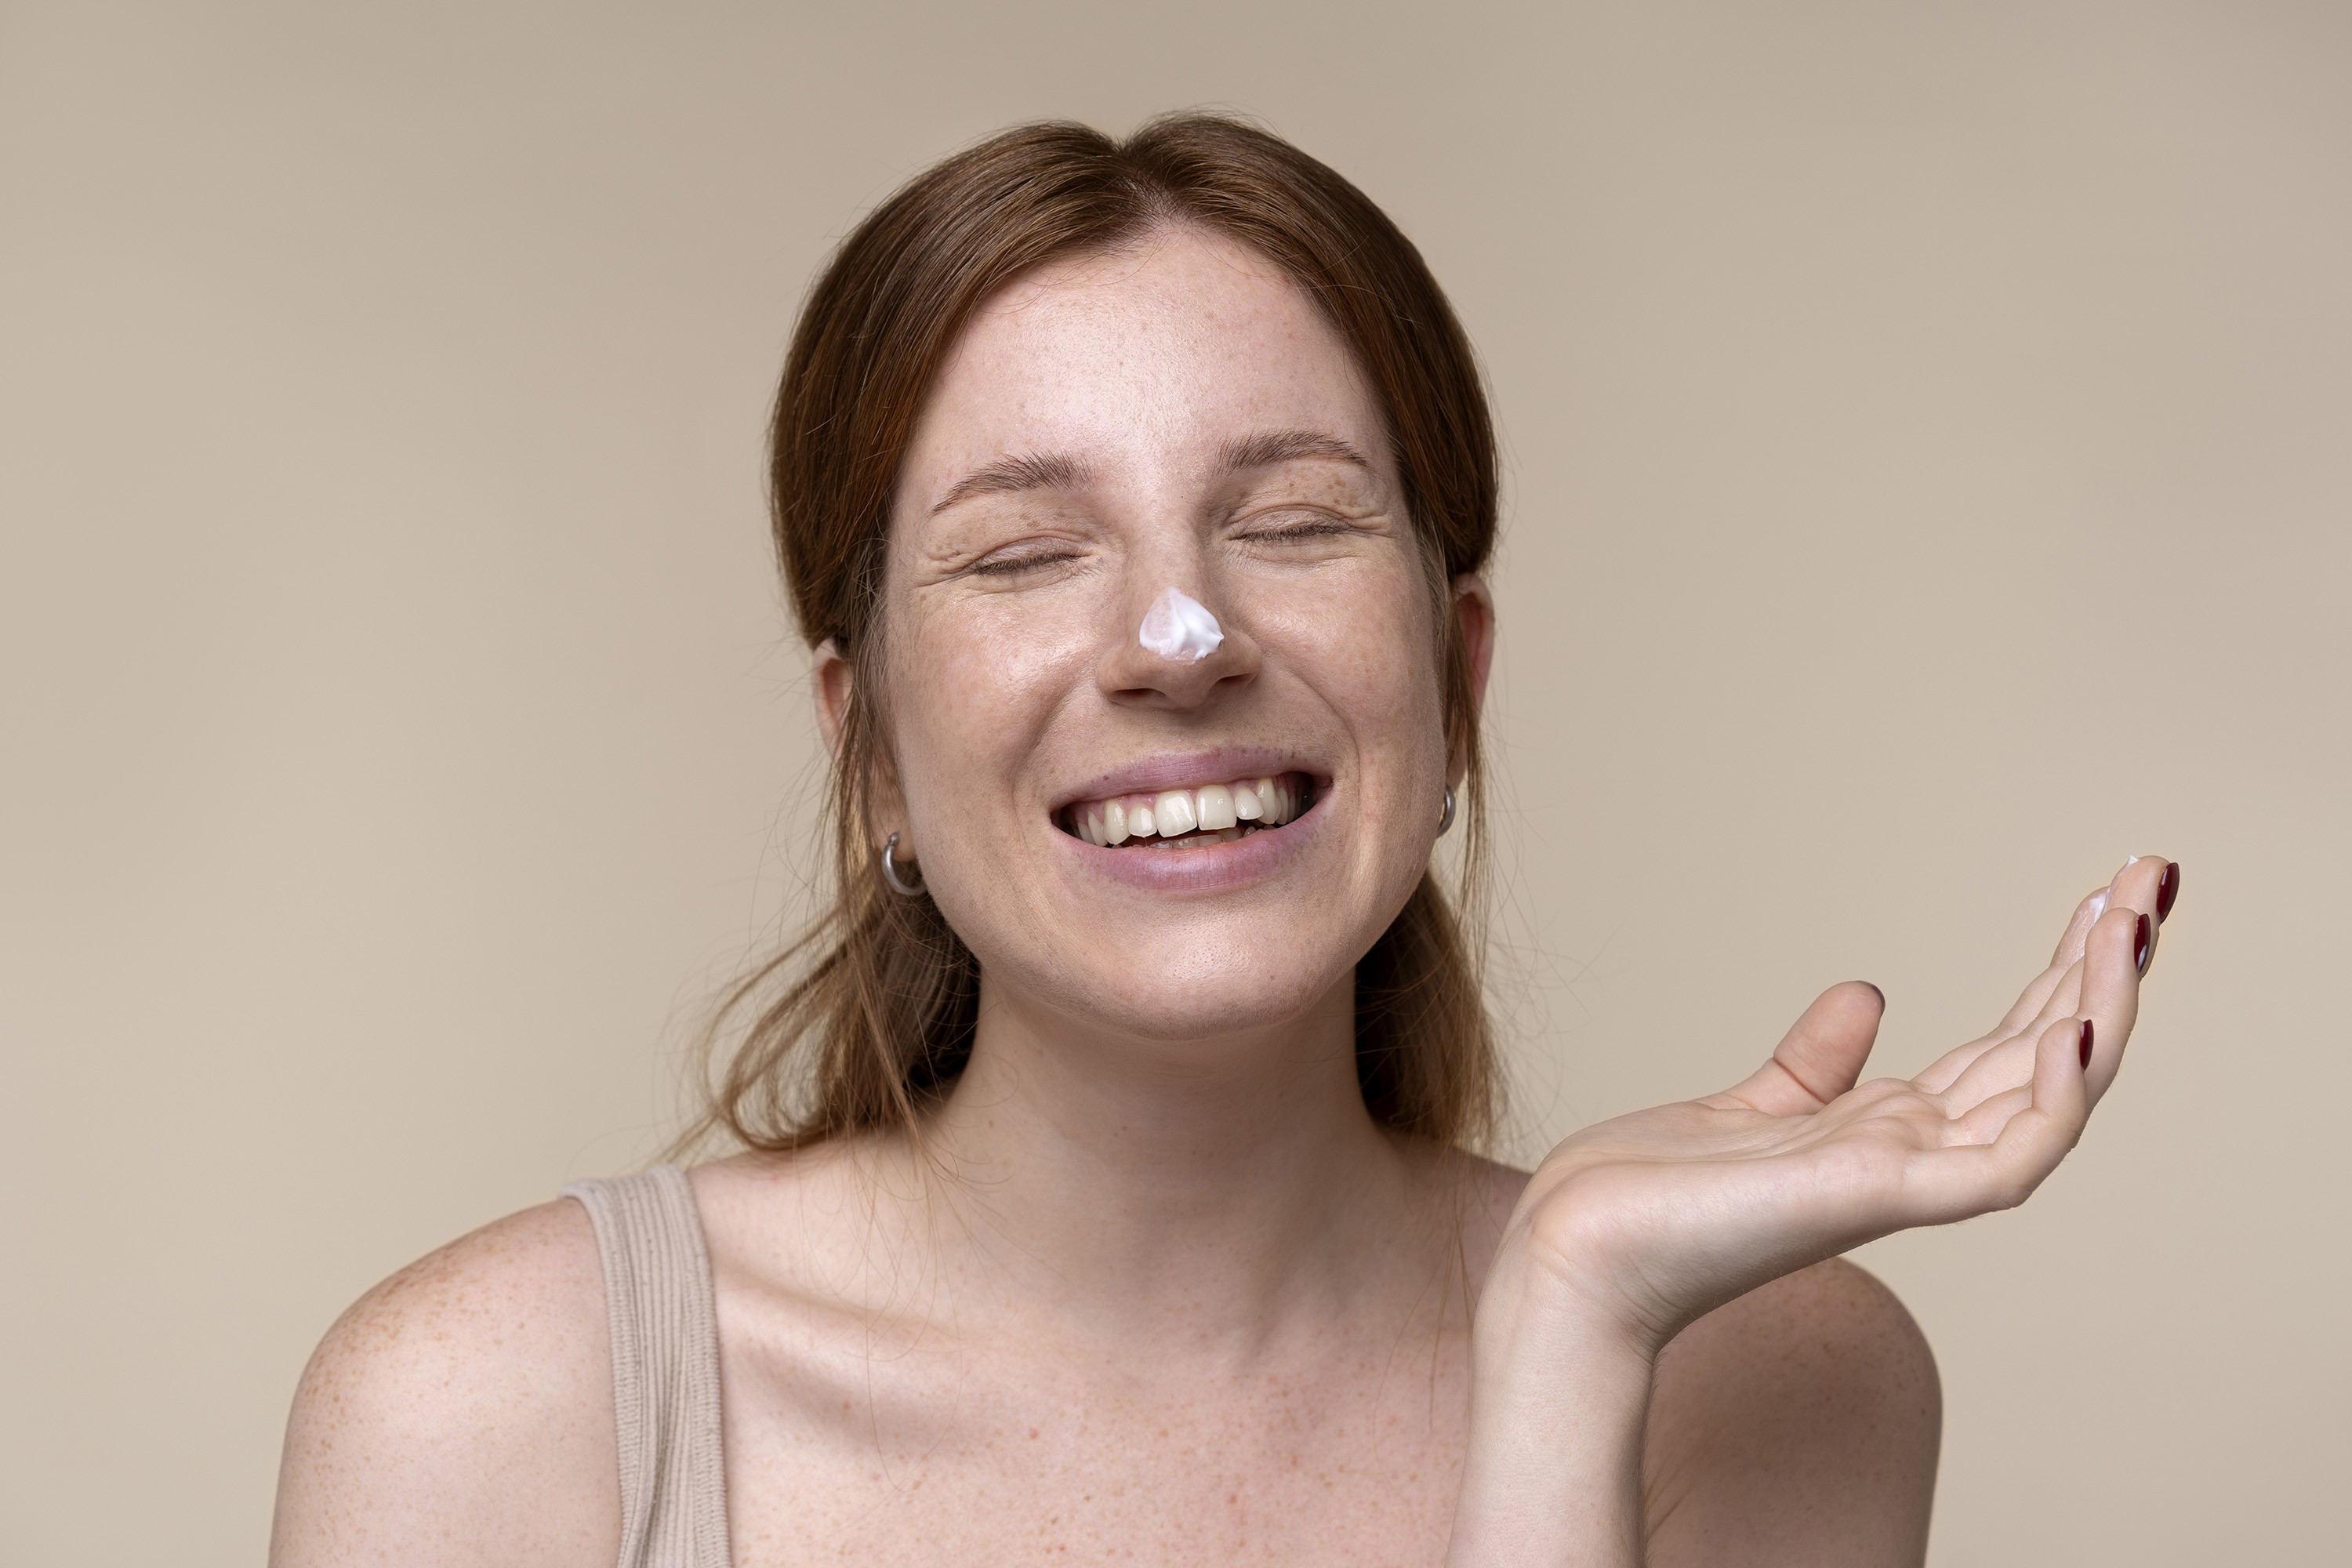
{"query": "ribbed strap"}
pixel 664 1368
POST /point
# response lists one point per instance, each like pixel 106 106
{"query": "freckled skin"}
pixel 1156 1288
pixel 462 1411
pixel 1007 686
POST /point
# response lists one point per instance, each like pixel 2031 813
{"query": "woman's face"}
pixel 1178 416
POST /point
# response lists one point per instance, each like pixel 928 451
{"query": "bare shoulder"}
pixel 1798 1424
pixel 461 1412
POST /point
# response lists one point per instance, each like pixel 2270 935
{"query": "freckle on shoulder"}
pixel 462 1410
pixel 1835 1309
pixel 1799 1423
pixel 1825 1351
pixel 491 1314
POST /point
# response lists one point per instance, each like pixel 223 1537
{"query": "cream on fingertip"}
pixel 2099 899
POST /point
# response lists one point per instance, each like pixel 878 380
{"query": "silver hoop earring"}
pixel 899 884
pixel 1445 821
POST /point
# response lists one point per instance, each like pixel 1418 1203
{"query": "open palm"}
pixel 1656 1218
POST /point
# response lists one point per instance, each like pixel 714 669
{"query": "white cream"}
pixel 1179 627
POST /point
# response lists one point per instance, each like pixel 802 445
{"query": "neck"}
pixel 1209 1189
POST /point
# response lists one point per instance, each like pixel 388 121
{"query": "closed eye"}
pixel 1015 559
pixel 1313 527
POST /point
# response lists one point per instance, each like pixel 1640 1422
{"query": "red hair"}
pixel 870 1013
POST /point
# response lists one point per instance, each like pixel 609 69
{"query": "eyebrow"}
pixel 1035 471
pixel 1055 470
pixel 1285 445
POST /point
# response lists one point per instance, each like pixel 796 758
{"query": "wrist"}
pixel 1595 1367
pixel 1552 1475
pixel 1542 1306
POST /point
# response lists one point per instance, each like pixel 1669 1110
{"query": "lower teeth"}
pixel 1194 840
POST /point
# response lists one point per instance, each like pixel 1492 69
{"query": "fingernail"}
pixel 2098 905
pixel 2167 890
pixel 2146 934
pixel 1880 994
pixel 2086 1045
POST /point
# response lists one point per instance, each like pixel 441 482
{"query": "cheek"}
pixel 1362 633
pixel 974 686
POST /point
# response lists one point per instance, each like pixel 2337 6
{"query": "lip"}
pixel 1190 770
pixel 1217 868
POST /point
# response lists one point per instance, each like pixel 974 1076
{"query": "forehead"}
pixel 1161 353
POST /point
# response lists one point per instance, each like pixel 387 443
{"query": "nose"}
pixel 1133 675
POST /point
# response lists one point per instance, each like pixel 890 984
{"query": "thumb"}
pixel 1821 1055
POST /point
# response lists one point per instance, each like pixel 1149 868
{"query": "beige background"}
pixel 1930 453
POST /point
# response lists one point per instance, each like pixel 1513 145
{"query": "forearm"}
pixel 1553 1474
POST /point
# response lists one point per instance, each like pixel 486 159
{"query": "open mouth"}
pixel 1188 818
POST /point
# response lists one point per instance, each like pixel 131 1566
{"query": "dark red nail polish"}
pixel 2145 935
pixel 2167 887
pixel 2086 1044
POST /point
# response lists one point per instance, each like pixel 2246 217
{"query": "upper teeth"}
pixel 1211 808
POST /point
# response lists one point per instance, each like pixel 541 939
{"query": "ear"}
pixel 1473 612
pixel 830 675
pixel 834 681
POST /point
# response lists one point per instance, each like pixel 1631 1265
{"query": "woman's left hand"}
pixel 1636 1226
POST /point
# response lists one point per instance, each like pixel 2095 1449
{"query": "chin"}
pixel 1207 990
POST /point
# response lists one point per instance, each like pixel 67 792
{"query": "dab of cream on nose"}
pixel 1179 627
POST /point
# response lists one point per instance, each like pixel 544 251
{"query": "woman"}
pixel 1108 1188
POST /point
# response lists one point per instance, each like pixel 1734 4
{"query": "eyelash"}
pixel 1029 561
pixel 1310 529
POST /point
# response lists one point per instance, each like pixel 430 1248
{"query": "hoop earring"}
pixel 1445 821
pixel 899 884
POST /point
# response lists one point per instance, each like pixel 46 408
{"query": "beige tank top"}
pixel 664 1368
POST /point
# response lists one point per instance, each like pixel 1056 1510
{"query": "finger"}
pixel 2033 1003
pixel 1821 1055
pixel 2034 1006
pixel 2004 1064
pixel 1982 1122
pixel 2121 946
pixel 2078 925
pixel 1939 1075
pixel 2056 992
pixel 2038 1137
pixel 2046 996
pixel 1946 1071
pixel 2148 886
pixel 1966 1179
